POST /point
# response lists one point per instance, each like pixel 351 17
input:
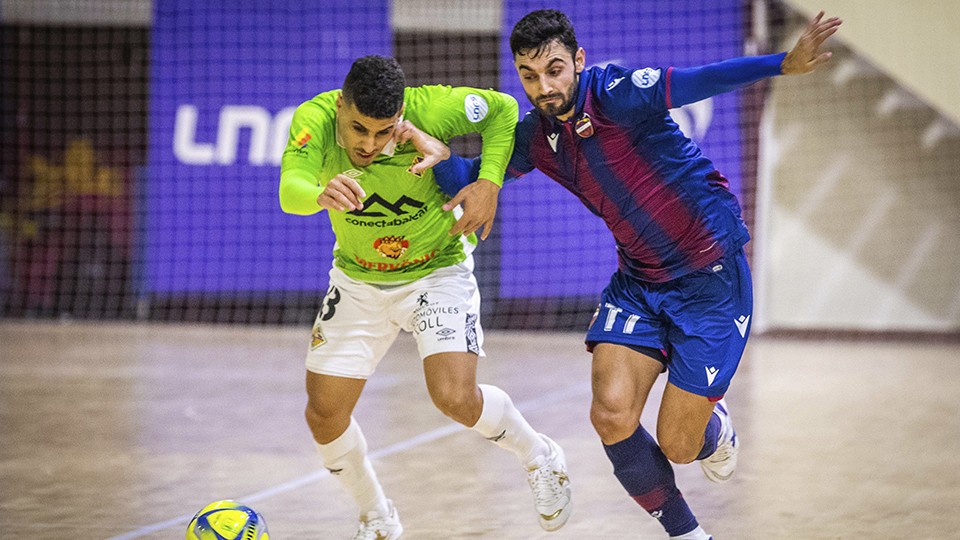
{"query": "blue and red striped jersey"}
pixel 670 211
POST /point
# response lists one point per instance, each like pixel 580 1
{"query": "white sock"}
pixel 346 459
pixel 501 423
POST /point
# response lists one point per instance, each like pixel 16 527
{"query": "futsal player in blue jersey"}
pixel 681 300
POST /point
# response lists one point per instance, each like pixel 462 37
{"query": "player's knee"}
pixel 613 422
pixel 462 404
pixel 320 414
pixel 679 448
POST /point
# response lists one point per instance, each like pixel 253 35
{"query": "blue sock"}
pixel 647 476
pixel 711 436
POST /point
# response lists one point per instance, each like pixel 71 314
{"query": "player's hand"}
pixel 479 200
pixel 805 55
pixel 342 193
pixel 433 150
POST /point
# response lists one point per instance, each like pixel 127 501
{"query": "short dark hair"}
pixel 538 28
pixel 375 86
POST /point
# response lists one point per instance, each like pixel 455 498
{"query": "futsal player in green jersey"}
pixel 363 154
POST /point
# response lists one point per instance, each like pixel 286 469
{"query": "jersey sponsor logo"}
pixel 613 84
pixel 416 159
pixel 397 207
pixel 584 127
pixel 391 246
pixel 302 138
pixel 434 309
pixel 476 107
pixel 427 316
pixel 381 223
pixel 268 136
pixel 742 323
pixel 428 323
pixel 645 78
pixel 552 139
pixel 711 374
pixel 426 308
pixel 352 173
pixel 393 267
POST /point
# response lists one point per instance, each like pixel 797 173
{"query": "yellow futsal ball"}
pixel 227 520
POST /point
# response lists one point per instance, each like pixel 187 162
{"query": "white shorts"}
pixel 358 321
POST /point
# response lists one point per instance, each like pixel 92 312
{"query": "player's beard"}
pixel 560 108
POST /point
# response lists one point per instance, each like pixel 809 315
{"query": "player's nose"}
pixel 546 88
pixel 368 144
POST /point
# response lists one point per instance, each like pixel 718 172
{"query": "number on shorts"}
pixel 330 301
pixel 612 313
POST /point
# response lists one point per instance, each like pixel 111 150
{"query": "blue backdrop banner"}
pixel 225 79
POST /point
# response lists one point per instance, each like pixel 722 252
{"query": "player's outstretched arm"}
pixel 805 55
pixel 434 150
pixel 689 85
pixel 479 198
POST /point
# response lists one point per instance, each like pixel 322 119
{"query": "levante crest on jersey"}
pixel 584 127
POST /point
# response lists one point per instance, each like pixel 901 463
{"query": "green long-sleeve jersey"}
pixel 401 234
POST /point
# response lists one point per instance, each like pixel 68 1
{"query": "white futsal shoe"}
pixel 551 487
pixel 373 526
pixel 696 534
pixel 719 466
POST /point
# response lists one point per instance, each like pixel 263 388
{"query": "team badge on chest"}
pixel 416 160
pixel 584 126
pixel 391 246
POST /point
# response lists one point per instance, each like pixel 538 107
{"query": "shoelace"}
pixel 371 530
pixel 546 484
pixel 723 452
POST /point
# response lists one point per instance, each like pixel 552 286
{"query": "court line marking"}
pixel 395 448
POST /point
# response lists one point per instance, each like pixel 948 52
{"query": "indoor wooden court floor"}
pixel 124 431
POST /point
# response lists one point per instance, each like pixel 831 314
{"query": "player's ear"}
pixel 400 114
pixel 339 102
pixel 579 60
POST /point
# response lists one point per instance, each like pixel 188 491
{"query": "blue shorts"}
pixel 700 322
